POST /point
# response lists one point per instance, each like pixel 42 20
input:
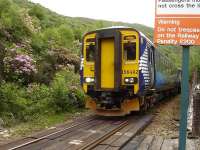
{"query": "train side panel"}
pixel 166 73
pixel 146 65
pixel 156 71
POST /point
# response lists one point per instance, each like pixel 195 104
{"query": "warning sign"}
pixel 177 22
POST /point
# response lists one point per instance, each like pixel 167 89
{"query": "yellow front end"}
pixel 130 59
pixel 129 70
pixel 88 62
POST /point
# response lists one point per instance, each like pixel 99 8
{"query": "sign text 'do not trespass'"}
pixel 177 22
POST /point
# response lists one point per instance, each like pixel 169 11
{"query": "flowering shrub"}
pixel 23 64
pixel 21 68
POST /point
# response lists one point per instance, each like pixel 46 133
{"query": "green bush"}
pixel 38 12
pixel 12 21
pixel 66 36
pixel 66 93
pixel 57 37
pixel 38 97
pixel 38 45
pixel 78 97
pixel 78 34
pixel 21 104
pixel 12 102
pixel 47 66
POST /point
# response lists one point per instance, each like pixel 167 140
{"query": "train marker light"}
pixel 89 80
pixel 130 80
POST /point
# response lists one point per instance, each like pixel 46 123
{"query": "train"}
pixel 122 71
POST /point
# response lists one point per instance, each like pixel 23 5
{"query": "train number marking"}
pixel 129 71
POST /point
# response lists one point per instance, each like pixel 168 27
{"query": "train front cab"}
pixel 111 69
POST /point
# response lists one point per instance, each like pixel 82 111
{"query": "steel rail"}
pixel 93 144
pixel 46 136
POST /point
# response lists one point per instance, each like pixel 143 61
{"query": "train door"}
pixel 107 63
pixel 152 65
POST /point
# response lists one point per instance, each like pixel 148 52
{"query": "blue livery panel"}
pixel 156 71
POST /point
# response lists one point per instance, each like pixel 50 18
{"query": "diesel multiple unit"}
pixel 122 71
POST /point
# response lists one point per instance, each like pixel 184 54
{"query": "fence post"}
pixel 196 112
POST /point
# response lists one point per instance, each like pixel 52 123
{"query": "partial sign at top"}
pixel 182 7
pixel 177 22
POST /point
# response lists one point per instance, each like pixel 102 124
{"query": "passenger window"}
pixel 90 51
pixel 130 51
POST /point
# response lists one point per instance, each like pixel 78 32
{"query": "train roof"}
pixel 122 27
pixel 115 27
pixel 112 28
pixel 143 35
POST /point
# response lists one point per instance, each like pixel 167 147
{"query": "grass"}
pixel 43 122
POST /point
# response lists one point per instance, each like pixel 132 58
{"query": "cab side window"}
pixel 130 51
pixel 90 52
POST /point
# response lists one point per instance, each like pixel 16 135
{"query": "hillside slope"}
pixel 49 19
pixel 43 23
pixel 39 53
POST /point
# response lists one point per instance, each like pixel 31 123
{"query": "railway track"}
pixel 94 133
pixel 119 138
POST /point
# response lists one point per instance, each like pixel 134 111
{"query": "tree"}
pixel 66 36
pixel 12 21
pixel 37 11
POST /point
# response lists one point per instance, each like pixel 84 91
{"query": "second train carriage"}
pixel 122 71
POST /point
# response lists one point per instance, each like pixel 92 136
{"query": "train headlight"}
pixel 126 80
pixel 130 80
pixel 89 80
